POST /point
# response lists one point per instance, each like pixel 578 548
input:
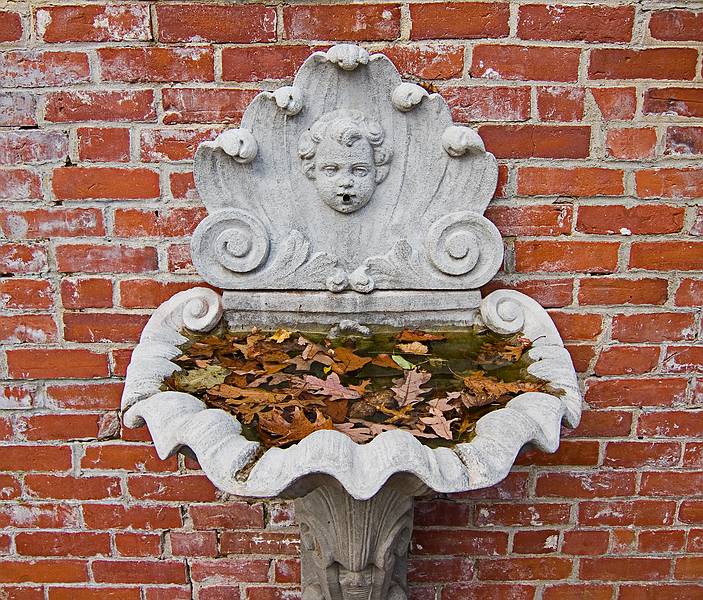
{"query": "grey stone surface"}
pixel 349 179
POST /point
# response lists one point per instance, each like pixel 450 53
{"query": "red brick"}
pixel 120 360
pixel 130 457
pixel 156 64
pixel 575 326
pixel 660 541
pixel 85 396
pixel 24 593
pixel 93 292
pixel 695 540
pixel 222 592
pixel 353 22
pixel 46 543
pixel 677 25
pixel 691 511
pixel 196 543
pixel 552 256
pixel 539 141
pixel 176 222
pixel 693 454
pixel 514 486
pixel 194 105
pixel 52 223
pixel 617 291
pixel 651 63
pixel 29 457
pixel 88 258
pixel 32 147
pixel 10 488
pixel 624 513
pixel 265 542
pixel 520 569
pixel 179 258
pixel 596 23
pixel 644 219
pixel 216 23
pixel 627 360
pixel 556 103
pixel 631 143
pixel 525 63
pixel 683 359
pixel 17 108
pixel 272 593
pixel 183 186
pixel 10 26
pixel 27 329
pixel 36 68
pixel 82 183
pixel 447 542
pixel 233 569
pixel 658 391
pixel 684 102
pixel 624 569
pixel 510 515
pixel 552 219
pixel 64 426
pixel 103 327
pixel 470 104
pixel 92 593
pixel 288 570
pixel 164 145
pixel 493 591
pixel 32 516
pixel 262 62
pixel 586 485
pixel 465 20
pixel 641 454
pixel 441 513
pixel 103 144
pixel 232 515
pixel 139 571
pixel 570 452
pixel 56 363
pixel 138 544
pixel 654 327
pixel 689 293
pixel 103 105
pixel 574 181
pixel 578 592
pixel 615 103
pixel 685 423
pixel 116 23
pixel 148 293
pixel 17 397
pixel 585 542
pixel 667 256
pixel 581 356
pixel 549 293
pixel 684 140
pixel 5 429
pixel 22 259
pixel 193 488
pixel 427 61
pixel 132 516
pixel 43 571
pixel 19 184
pixel 541 541
pixel 661 591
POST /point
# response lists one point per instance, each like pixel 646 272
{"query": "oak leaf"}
pixel 346 361
pixel 413 348
pixel 408 335
pixel 384 360
pixel 408 388
pixel 196 380
pixel 357 434
pixel 331 387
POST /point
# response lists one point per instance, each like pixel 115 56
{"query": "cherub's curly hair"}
pixel 346 127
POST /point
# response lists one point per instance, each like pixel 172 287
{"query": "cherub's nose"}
pixel 346 182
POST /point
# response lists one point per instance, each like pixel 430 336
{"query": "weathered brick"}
pixel 103 144
pixel 651 63
pixel 615 103
pixel 575 181
pixel 139 571
pixel 550 293
pixel 644 219
pixel 641 454
pixel 36 147
pixel 138 544
pixel 539 141
pixel 427 61
pixel 241 570
pixel 624 513
pixel 88 258
pixel 31 457
pixel 684 141
pixel 17 108
pixel 168 145
pixel 103 327
pixel 19 184
pixel 195 105
pixel 72 488
pixel 56 363
pixel 93 23
pixel 520 569
pixel 36 68
pixel 673 423
pixel 663 256
pixel 216 23
pixel 43 571
pixel 586 485
pixel 555 103
pixel 685 102
pixel 102 105
pixel 29 329
pixel 156 64
pixel 627 360
pixel 612 290
pixel 193 488
pixel 689 293
pixel 132 516
pixel 660 391
pixel 22 259
pixel 654 327
pixel 93 292
pixel 488 103
pixel 66 426
pixel 553 256
pixel 525 63
pixel 267 542
pixel 633 143
pixel 676 25
pixel 531 220
pixel 10 26
pixel 83 183
pixel 52 223
pixel 626 568
pixel 596 23
pixel 683 359
pixel 353 22
pixel 85 396
pixel 459 20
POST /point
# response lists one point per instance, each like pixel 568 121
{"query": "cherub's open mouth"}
pixel 347 198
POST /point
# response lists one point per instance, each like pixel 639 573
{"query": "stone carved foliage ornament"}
pixel 348 179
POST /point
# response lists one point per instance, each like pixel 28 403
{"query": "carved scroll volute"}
pixel 352 549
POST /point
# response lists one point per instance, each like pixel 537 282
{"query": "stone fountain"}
pixel 346 200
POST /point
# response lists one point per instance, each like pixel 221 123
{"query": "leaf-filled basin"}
pixel 240 466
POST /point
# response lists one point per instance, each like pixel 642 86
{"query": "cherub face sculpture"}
pixel 343 155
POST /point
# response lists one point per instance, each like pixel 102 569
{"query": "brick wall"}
pixel 595 113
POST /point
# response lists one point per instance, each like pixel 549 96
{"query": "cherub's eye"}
pixel 330 170
pixel 360 171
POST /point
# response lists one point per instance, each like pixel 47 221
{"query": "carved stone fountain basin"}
pixel 348 198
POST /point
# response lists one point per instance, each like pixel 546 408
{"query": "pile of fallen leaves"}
pixel 284 385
